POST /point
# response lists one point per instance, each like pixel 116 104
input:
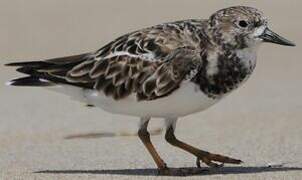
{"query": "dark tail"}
pixel 45 73
pixel 30 81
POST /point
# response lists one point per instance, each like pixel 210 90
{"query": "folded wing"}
pixel 123 75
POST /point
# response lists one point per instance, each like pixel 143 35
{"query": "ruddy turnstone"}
pixel 168 71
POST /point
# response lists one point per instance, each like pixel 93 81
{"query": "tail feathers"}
pixel 47 72
pixel 28 63
pixel 59 65
pixel 30 81
pixel 71 60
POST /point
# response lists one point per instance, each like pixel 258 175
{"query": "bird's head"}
pixel 242 27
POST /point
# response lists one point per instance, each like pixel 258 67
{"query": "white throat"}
pixel 248 56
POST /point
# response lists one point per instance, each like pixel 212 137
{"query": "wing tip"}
pixel 9 64
pixel 25 63
pixel 14 64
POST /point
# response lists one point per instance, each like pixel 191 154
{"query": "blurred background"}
pixel 260 122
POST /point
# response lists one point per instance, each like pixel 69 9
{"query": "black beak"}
pixel 269 36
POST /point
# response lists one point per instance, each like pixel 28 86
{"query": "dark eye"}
pixel 243 24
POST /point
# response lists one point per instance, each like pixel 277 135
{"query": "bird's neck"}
pixel 222 71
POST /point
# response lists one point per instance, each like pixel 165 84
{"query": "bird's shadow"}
pixel 154 172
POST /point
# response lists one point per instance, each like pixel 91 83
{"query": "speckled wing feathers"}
pixel 121 76
pixel 150 63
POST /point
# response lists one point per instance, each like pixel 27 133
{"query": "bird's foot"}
pixel 212 159
pixel 180 171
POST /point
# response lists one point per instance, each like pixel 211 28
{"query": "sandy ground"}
pixel 44 135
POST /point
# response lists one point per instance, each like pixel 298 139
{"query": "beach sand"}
pixel 44 135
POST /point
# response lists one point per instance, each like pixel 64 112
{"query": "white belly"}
pixel 186 100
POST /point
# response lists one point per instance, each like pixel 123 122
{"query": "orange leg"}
pixel 204 156
pixel 145 138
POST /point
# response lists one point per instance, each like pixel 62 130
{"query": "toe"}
pixel 224 159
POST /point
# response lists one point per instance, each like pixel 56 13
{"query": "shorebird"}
pixel 167 71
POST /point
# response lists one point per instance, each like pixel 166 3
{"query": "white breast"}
pixel 248 56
